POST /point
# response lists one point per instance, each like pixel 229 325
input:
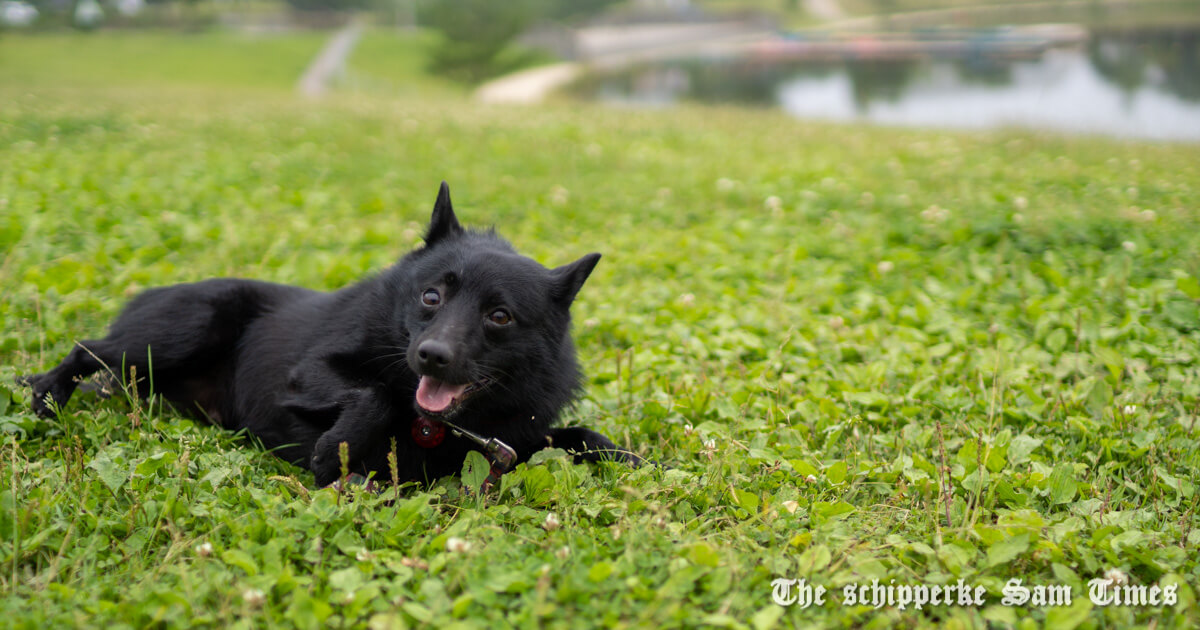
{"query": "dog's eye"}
pixel 431 297
pixel 500 317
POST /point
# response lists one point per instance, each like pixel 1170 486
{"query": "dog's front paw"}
pixel 45 401
pixel 325 463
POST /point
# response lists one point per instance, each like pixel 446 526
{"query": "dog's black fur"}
pixel 304 370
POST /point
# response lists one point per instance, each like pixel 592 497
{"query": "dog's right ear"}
pixel 443 224
pixel 568 279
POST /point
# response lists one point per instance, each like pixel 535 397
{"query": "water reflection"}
pixel 1143 84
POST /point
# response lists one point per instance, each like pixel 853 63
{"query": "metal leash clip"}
pixel 501 455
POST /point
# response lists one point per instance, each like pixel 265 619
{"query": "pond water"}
pixel 1142 83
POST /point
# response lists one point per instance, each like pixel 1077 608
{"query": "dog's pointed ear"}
pixel 443 224
pixel 568 279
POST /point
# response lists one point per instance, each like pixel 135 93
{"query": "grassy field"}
pixel 395 63
pixel 157 58
pixel 907 356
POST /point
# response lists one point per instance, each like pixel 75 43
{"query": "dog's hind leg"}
pixel 178 331
pixel 53 389
pixel 589 446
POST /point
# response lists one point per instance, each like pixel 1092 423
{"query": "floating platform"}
pixel 1024 42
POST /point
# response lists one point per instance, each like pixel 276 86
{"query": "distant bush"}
pixel 327 5
pixel 477 32
pixel 474 32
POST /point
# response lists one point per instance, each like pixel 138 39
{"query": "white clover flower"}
pixel 204 549
pixel 773 203
pixel 254 597
pixel 935 214
pixel 836 322
pixel 591 322
pixel 364 556
pixel 1148 215
pixel 688 428
pixel 560 196
pixel 1116 577
pixel 811 479
pixel 563 553
pixel 1129 409
pixel 725 184
pixel 551 523
pixel 885 266
pixel 791 506
pixel 1020 203
pixel 687 299
pixel 455 544
pixel 1129 246
pixel 710 444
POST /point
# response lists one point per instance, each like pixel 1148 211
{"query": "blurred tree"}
pixel 475 32
pixel 328 5
pixel 573 9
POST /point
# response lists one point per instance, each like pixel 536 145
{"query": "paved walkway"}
pixel 528 86
pixel 827 10
pixel 331 60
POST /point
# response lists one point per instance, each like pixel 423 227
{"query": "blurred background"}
pixel 1128 68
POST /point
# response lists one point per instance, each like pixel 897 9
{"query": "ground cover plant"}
pixel 144 59
pixel 866 354
pixel 381 62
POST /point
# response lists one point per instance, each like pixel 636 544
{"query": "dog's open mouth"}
pixel 436 397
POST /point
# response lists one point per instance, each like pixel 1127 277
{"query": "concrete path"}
pixel 528 86
pixel 331 60
pixel 827 10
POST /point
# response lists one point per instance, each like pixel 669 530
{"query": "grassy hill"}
pixel 865 354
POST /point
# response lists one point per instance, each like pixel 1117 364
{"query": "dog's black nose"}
pixel 434 354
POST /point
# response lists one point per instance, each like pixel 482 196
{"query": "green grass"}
pixel 155 58
pixel 387 60
pixel 814 325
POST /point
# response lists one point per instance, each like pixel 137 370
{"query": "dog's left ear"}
pixel 443 224
pixel 568 279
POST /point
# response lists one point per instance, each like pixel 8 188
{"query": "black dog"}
pixel 462 330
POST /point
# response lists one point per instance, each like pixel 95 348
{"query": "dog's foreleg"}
pixel 362 423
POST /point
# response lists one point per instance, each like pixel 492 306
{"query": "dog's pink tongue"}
pixel 434 395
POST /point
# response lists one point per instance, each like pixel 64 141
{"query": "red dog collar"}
pixel 428 433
